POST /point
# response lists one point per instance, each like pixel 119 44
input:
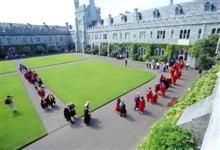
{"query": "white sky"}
pixel 57 12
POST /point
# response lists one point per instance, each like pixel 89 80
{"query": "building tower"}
pixel 85 17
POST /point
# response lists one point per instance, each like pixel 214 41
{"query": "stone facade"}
pixel 179 24
pixel 44 37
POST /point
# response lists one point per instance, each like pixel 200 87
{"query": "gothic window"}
pixel 115 36
pixel 209 6
pixel 158 34
pixel 50 38
pixel 218 31
pixel 9 40
pixel 200 34
pixel 127 35
pixel 96 36
pixel 25 40
pixel 181 34
pixel 120 35
pixel 156 13
pixel 38 39
pixel 61 39
pixel 178 10
pixel 213 30
pixel 184 34
pixel 105 36
pixel 151 34
pixel 188 34
pixel 164 34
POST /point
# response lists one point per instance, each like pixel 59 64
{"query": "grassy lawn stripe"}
pixel 7 66
pixel 51 60
pixel 20 128
pixel 97 82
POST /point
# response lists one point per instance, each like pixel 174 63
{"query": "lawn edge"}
pixel 29 143
pixel 57 64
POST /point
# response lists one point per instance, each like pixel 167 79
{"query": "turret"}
pixel 76 3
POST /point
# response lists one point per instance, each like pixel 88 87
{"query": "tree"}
pixel 204 51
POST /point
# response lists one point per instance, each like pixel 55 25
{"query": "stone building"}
pixel 178 24
pixel 19 39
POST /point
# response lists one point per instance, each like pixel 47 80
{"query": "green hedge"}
pixel 116 48
pixel 165 134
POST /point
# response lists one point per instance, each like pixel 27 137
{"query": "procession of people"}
pixel 47 100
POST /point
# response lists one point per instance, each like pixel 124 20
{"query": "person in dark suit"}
pixel 123 112
pixel 69 112
pixel 87 114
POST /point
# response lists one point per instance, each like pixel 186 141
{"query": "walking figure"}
pixel 10 103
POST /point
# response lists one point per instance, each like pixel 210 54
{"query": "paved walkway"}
pixel 52 119
pixel 108 130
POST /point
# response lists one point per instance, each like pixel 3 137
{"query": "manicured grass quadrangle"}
pixel 19 128
pixel 97 82
pixel 7 66
pixel 50 60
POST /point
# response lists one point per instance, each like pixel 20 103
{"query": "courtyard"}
pixel 83 77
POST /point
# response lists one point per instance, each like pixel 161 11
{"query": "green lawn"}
pixel 20 128
pixel 97 82
pixel 7 66
pixel 50 60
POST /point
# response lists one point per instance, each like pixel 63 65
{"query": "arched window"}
pixel 179 10
pixel 209 6
pixel 181 34
pixel 156 13
pixel 151 34
pixel 218 31
pixel 213 30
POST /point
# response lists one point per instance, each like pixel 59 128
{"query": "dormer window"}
pixel 156 13
pixel 179 10
pixel 209 6
pixel 101 22
pixel 139 16
pixel 124 18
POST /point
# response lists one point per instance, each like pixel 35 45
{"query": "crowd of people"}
pixel 161 87
pixel 47 100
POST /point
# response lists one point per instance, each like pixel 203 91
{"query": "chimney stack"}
pixel 171 2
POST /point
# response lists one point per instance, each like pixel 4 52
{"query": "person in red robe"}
pixel 117 107
pixel 172 71
pixel 155 98
pixel 142 105
pixel 175 77
pixel 169 80
pixel 41 93
pixel 162 78
pixel 163 89
pixel 157 88
pixel 149 94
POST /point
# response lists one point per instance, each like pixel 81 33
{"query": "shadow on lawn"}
pixel 16 114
